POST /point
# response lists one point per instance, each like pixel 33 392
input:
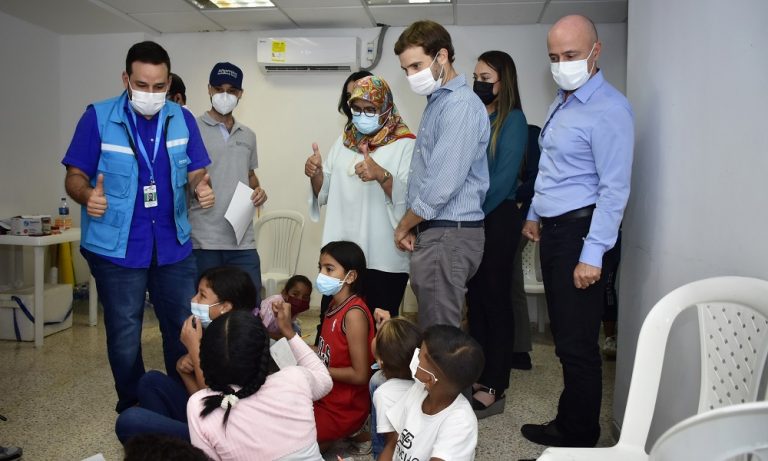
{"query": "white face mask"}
pixel 414 366
pixel 224 103
pixel 146 103
pixel 423 82
pixel 570 75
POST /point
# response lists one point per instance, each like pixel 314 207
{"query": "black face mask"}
pixel 485 91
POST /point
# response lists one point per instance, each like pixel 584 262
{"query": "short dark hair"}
pixel 395 342
pixel 234 351
pixel 148 52
pixel 156 447
pixel 343 100
pixel 427 34
pixel 456 353
pixel 231 284
pixel 177 86
pixel 351 258
pixel 296 279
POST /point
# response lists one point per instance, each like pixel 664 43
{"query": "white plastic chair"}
pixel 278 240
pixel 534 284
pixel 733 332
pixel 717 435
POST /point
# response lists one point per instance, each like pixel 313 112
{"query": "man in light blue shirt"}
pixel 443 226
pixel 580 195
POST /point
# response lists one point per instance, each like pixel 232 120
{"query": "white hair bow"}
pixel 229 401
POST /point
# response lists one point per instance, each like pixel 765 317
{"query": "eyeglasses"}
pixel 368 111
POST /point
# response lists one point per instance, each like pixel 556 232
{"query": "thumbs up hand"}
pixel 368 169
pixel 204 192
pixel 97 201
pixel 314 164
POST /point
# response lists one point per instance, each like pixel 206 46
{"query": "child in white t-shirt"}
pixel 433 419
pixel 393 349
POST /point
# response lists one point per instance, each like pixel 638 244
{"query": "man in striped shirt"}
pixel 443 226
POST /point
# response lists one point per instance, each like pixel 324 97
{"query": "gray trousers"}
pixel 443 261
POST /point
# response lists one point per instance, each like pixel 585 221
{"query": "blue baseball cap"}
pixel 226 72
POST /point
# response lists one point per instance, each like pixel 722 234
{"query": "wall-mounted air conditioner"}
pixel 304 54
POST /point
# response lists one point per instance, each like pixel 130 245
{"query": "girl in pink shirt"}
pixel 245 414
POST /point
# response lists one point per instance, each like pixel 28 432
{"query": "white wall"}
pixel 696 79
pixel 31 180
pixel 289 112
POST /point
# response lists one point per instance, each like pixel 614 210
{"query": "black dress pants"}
pixel 490 314
pixel 575 316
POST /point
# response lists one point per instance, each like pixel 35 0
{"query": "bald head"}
pixel 572 38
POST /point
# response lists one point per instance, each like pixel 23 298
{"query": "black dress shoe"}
pixel 550 435
pixel 520 361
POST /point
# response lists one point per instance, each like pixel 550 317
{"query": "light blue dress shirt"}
pixel 586 158
pixel 449 169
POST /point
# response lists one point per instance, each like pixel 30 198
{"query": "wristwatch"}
pixel 386 177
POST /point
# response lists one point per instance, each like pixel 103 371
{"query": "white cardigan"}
pixel 360 211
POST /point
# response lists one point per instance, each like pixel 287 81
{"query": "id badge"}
pixel 150 196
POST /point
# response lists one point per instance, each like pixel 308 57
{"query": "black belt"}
pixel 571 215
pixel 424 225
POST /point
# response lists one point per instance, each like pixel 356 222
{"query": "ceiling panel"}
pixel 71 17
pixel 597 11
pixel 178 22
pixel 506 2
pixel 329 17
pixel 498 14
pixel 150 6
pixel 315 3
pixel 404 15
pixel 251 19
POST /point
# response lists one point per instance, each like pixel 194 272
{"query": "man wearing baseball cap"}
pixel 232 149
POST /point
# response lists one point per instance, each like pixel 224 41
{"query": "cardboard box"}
pixel 57 301
pixel 31 225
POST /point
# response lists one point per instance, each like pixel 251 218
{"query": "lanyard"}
pixel 150 165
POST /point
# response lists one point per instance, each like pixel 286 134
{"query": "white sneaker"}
pixel 609 348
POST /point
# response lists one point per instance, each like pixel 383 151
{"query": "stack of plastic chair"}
pixel 278 240
pixel 717 435
pixel 733 337
pixel 534 284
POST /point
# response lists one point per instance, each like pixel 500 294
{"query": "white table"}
pixel 39 245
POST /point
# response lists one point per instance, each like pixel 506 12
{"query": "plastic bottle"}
pixel 64 221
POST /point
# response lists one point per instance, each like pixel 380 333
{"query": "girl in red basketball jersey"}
pixel 344 344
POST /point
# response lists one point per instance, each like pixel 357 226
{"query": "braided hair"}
pixel 234 351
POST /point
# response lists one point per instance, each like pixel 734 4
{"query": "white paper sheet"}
pixel 282 354
pixel 240 210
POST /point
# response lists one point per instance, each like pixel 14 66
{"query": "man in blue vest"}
pixel 131 164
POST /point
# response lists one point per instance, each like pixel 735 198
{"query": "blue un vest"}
pixel 108 234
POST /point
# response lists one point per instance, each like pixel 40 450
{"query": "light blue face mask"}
pixel 327 285
pixel 203 313
pixel 366 124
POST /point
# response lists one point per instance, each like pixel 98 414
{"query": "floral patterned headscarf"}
pixel 376 91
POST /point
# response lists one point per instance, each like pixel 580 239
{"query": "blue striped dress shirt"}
pixel 449 169
pixel 586 158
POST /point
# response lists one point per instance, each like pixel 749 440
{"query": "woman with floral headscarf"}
pixel 363 184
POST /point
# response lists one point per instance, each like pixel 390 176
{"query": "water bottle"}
pixel 63 221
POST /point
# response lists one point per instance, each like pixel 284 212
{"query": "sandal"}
pixel 483 411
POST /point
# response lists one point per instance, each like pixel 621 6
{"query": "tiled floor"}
pixel 59 400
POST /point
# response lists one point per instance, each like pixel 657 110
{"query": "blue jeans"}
pixel 162 410
pixel 122 293
pixel 247 260
pixel 377 440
